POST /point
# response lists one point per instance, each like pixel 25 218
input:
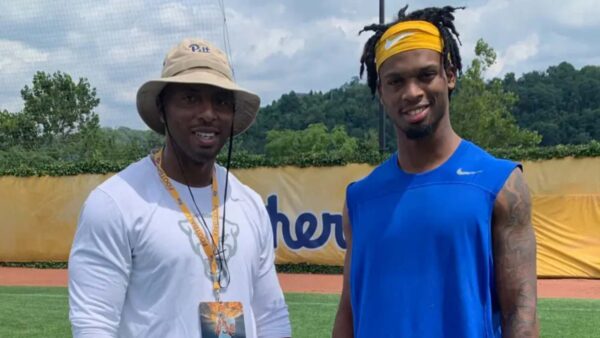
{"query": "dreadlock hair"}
pixel 442 18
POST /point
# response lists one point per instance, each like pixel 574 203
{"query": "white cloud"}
pixel 112 13
pixel 472 16
pixel 19 11
pixel 277 45
pixel 133 46
pixel 175 15
pixel 273 42
pixel 267 41
pixel 576 13
pixel 120 116
pixel 349 28
pixel 126 95
pixel 515 54
pixel 16 57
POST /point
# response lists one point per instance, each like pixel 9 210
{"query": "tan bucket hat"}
pixel 196 61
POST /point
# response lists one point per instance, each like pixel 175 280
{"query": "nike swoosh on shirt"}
pixel 389 43
pixel 461 172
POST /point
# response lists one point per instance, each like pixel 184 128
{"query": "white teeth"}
pixel 205 135
pixel 416 111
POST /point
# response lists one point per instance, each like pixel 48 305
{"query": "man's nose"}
pixel 412 92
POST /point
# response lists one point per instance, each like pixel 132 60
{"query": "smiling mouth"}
pixel 206 136
pixel 416 115
pixel 416 111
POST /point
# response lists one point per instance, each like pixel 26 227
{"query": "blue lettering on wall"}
pixel 305 227
pixel 336 219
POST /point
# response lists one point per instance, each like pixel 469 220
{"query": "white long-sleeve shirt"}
pixel 137 269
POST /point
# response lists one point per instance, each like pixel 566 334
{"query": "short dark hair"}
pixel 442 18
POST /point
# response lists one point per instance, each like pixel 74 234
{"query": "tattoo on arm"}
pixel 515 259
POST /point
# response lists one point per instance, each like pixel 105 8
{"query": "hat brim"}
pixel 246 102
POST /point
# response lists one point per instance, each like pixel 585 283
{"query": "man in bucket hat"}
pixel 174 242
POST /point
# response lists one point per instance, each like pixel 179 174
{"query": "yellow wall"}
pixel 566 215
pixel 38 215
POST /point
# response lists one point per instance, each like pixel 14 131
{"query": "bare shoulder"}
pixel 513 204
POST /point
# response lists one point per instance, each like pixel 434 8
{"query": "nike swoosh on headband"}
pixel 389 43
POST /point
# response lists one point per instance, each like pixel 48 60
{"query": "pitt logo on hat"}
pixel 200 49
pixel 196 61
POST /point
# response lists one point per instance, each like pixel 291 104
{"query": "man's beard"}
pixel 419 132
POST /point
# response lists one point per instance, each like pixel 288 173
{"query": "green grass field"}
pixel 42 312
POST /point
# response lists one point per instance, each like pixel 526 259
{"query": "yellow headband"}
pixel 405 36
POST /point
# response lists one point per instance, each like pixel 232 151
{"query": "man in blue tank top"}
pixel 440 241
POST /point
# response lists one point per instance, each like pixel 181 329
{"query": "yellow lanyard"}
pixel 210 253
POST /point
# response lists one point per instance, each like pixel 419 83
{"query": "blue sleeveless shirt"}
pixel 422 263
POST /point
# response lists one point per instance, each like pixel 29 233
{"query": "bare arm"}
pixel 515 258
pixel 343 326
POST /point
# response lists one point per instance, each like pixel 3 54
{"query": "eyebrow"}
pixel 429 67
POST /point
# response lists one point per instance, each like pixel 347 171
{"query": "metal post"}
pixel 381 112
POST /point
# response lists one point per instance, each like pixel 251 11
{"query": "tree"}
pixel 316 139
pixel 59 106
pixel 481 111
pixel 16 129
pixel 350 105
pixel 560 103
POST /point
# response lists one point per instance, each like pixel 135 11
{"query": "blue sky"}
pixel 277 46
